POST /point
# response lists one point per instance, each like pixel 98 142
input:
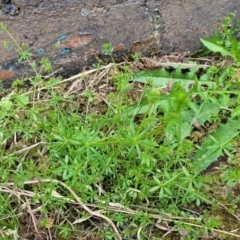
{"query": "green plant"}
pixel 107 48
pixel 22 49
pixel 25 53
pixel 225 42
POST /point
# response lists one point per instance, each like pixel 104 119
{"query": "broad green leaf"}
pixel 163 78
pixel 214 145
pixel 145 107
pixel 214 47
pixel 24 100
pixel 205 51
pixel 235 49
pixel 177 74
pixel 6 105
pixel 206 111
pixel 224 100
pixel 236 111
pixel 193 73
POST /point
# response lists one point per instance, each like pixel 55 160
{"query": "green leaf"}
pixel 214 47
pixel 6 104
pixel 163 78
pixel 235 49
pixel 213 146
pixel 24 100
pixel 205 51
pixel 154 189
pixel 145 107
pixel 206 111
pixel 24 55
pixel 185 171
pixel 156 180
pixel 167 190
pixel 236 111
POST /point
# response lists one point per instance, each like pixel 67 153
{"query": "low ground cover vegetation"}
pixel 143 149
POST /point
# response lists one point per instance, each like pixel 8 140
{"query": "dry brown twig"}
pixel 78 199
pixel 175 65
pixel 32 215
pixel 77 76
pixel 116 207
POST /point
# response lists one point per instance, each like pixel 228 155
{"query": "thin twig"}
pixel 86 73
pixel 175 65
pixel 78 199
pixel 53 73
pixel 30 147
pixel 116 207
pixel 32 216
pixel 79 75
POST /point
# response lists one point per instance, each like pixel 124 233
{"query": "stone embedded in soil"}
pixel 76 41
pixel 6 74
pixel 71 33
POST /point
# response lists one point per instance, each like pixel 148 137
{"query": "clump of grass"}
pixel 116 155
